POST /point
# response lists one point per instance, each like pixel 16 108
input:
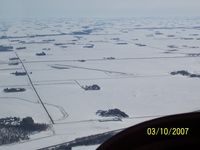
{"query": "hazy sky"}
pixel 97 8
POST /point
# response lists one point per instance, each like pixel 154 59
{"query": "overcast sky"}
pixel 97 8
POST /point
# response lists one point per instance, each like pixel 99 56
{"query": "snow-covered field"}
pixel 130 59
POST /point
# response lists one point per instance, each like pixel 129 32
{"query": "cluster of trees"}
pixel 91 87
pixel 12 134
pixel 14 129
pixel 185 73
pixel 6 48
pixel 112 113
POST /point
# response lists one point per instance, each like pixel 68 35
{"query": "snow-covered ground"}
pixel 130 59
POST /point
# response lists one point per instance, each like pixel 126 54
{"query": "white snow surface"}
pixel 137 80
